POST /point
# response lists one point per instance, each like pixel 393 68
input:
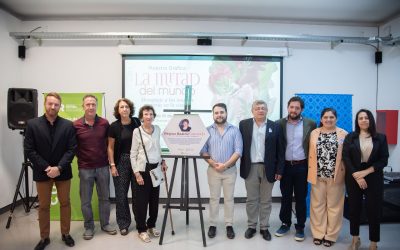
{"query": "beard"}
pixel 294 116
pixel 220 121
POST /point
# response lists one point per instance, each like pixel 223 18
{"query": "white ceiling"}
pixel 359 12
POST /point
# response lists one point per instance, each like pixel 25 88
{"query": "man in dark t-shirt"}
pixel 91 134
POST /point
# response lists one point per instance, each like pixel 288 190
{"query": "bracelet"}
pixel 112 164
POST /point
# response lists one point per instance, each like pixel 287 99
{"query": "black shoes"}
pixel 68 240
pixel 65 237
pixel 42 244
pixel 124 231
pixel 250 232
pixel 212 231
pixel 265 234
pixel 229 232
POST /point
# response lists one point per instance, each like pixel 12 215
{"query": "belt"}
pixel 262 163
pixel 292 163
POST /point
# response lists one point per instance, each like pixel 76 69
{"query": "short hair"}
pixel 53 94
pixel 221 105
pixel 146 107
pixel 296 99
pixel 259 102
pixel 372 125
pixel 89 96
pixel 116 108
pixel 326 110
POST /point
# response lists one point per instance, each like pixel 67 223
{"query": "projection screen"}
pixel 237 81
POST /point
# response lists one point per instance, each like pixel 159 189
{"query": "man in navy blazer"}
pixel 261 164
pixel 50 145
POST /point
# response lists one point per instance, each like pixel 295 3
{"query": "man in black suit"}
pixel 50 145
pixel 261 165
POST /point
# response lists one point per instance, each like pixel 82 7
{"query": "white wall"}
pixel 68 66
pixel 389 84
pixel 11 153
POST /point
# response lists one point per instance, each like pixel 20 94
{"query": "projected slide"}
pixel 234 80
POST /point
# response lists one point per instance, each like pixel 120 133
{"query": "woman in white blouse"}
pixel 365 153
pixel 145 196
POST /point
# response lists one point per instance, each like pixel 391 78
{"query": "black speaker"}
pixel 22 105
pixel 378 57
pixel 205 41
pixel 21 51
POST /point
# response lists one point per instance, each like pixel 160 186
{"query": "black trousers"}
pixel 145 196
pixel 294 180
pixel 374 198
pixel 121 185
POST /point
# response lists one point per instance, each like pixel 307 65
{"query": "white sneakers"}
pixel 145 236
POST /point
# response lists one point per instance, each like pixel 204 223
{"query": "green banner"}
pixel 71 109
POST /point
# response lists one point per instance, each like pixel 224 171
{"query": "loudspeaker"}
pixel 22 105
pixel 205 41
pixel 21 51
pixel 378 57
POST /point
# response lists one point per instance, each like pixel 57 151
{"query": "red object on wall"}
pixel 387 123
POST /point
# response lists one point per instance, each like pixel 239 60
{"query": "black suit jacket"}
pixel 43 152
pixel 274 156
pixel 352 153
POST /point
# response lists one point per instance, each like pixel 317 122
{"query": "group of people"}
pixel 51 142
pixel 295 152
pixel 292 150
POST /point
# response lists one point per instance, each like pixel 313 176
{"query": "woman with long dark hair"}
pixel 365 154
pixel 326 174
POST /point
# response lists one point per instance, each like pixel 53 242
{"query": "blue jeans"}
pixel 88 177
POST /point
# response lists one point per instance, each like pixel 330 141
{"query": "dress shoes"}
pixel 42 244
pixel 212 231
pixel 229 232
pixel 265 234
pixel 68 240
pixel 250 232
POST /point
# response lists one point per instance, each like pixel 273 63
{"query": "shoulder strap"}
pixel 144 148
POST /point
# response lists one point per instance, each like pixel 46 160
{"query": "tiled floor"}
pixel 24 234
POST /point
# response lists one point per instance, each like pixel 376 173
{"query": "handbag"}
pixel 154 169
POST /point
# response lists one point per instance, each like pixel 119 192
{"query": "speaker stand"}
pixel 25 200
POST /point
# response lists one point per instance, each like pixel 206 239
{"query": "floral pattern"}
pixel 327 147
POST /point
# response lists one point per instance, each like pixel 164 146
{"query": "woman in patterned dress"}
pixel 326 174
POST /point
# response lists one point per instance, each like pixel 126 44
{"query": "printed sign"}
pixel 185 135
